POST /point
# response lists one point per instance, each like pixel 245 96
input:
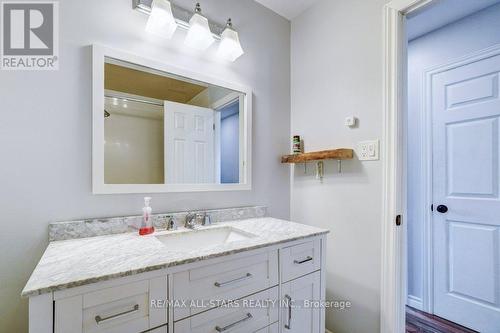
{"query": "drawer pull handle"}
pixel 100 320
pixel 222 284
pixel 289 303
pixel 300 262
pixel 228 327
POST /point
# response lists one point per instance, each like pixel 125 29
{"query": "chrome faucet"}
pixel 190 220
pixel 193 219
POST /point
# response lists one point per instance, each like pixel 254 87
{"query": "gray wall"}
pixel 473 33
pixel 45 129
pixel 337 72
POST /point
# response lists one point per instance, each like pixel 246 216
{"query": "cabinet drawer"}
pixel 244 317
pixel 121 309
pixel 273 328
pixel 300 259
pixel 228 280
pixel 163 329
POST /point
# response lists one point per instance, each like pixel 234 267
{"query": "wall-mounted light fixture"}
pixel 230 47
pixel 199 35
pixel 161 21
pixel 166 17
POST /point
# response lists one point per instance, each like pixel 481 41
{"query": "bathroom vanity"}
pixel 250 275
pixel 160 129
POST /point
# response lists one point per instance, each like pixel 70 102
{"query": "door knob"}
pixel 442 209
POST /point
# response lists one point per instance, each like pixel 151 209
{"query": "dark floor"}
pixel 421 322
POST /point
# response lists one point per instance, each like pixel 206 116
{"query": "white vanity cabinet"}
pixel 268 286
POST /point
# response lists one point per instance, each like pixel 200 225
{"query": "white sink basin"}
pixel 189 240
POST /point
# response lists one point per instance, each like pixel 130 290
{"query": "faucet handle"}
pixel 207 219
pixel 163 221
pixel 171 223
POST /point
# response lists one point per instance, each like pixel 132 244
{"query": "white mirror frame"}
pixel 99 54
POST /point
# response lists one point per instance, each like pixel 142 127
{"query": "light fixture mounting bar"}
pixel 181 15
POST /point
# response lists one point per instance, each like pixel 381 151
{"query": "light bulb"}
pixel 199 35
pixel 230 47
pixel 161 22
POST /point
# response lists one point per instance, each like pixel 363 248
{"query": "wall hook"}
pixel 320 170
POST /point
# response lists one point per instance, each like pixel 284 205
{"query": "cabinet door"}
pixel 300 311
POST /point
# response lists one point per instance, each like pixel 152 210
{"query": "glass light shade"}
pixel 161 22
pixel 199 35
pixel 230 47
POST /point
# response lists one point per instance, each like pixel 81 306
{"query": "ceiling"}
pixel 288 8
pixel 130 108
pixel 441 13
pixel 141 83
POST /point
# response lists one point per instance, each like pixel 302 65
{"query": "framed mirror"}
pixel 159 128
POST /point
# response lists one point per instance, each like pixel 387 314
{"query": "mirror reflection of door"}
pixel 164 129
pixel 189 144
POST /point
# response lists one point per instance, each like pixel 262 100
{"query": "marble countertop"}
pixel 77 262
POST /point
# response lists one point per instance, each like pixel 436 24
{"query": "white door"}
pixel 299 316
pixel 466 217
pixel 189 144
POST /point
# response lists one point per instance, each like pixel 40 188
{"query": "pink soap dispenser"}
pixel 147 223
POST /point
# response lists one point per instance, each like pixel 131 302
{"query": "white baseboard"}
pixel 415 302
pixel 327 331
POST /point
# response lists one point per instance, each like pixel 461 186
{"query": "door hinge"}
pixel 398 220
pixel 213 126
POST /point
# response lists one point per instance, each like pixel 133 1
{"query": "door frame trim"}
pixel 393 287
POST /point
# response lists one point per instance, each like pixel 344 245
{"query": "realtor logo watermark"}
pixel 30 35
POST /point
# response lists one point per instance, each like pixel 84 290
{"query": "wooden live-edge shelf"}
pixel 332 154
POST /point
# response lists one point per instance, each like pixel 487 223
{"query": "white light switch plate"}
pixel 368 150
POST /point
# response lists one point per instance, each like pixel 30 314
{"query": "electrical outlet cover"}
pixel 368 150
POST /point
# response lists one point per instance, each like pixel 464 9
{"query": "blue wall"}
pixel 473 33
pixel 230 154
